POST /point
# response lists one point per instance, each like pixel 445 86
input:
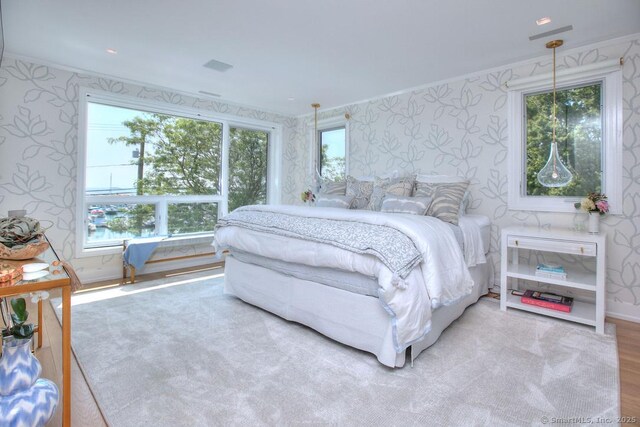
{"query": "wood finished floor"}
pixel 85 411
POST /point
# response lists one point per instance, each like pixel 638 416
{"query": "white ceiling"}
pixel 333 52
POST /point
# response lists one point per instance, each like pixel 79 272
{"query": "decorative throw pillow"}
pixel 333 187
pixel 446 199
pixel 360 191
pixel 402 186
pixel 334 201
pixel 406 205
pixel 446 179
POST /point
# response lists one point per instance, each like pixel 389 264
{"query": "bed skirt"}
pixel 356 320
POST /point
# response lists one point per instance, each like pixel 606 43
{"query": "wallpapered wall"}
pixel 455 128
pixel 38 148
pixel 461 128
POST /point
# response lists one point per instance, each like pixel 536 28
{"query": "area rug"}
pixel 178 352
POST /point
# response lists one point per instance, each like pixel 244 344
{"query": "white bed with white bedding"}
pixel 357 293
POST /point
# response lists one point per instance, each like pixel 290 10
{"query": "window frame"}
pixel 326 125
pixel 87 95
pixel 612 146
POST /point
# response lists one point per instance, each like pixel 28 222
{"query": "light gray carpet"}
pixel 187 355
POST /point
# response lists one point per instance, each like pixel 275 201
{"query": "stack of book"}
pixel 547 300
pixel 551 271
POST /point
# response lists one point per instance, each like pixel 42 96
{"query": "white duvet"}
pixel 442 278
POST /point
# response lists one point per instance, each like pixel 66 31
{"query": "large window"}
pixel 248 154
pixel 153 170
pixel 588 135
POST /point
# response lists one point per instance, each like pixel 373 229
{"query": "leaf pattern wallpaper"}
pixel 38 149
pixel 457 127
pixel 461 128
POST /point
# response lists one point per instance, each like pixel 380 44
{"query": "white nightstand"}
pixel 560 241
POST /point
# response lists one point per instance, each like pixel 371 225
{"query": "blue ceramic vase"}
pixel 25 400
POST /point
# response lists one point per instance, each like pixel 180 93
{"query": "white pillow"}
pixel 334 201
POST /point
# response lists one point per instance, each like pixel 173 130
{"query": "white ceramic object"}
pixel 35 275
pixel 34 266
pixel 594 223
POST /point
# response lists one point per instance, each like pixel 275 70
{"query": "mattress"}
pixel 341 279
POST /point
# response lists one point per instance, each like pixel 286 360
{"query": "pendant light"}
pixel 554 173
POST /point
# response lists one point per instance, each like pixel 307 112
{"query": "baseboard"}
pixel 88 276
pixel 623 311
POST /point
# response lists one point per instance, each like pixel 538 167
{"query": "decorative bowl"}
pixel 28 250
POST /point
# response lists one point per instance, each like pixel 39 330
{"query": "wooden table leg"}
pixel 132 270
pixel 40 323
pixel 66 356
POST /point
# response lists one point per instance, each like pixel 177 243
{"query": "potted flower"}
pixel 308 196
pixel 20 329
pixel 595 204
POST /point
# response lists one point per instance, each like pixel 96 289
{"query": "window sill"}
pixel 549 204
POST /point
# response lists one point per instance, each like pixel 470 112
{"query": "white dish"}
pixel 35 275
pixel 34 266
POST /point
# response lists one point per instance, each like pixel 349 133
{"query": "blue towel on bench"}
pixel 139 251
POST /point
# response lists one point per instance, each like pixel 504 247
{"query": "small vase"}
pixel 19 368
pixel 25 400
pixel 594 222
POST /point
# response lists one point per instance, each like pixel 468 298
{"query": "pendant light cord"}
pixel 315 107
pixel 553 123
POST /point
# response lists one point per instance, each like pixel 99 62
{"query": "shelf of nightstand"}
pixel 581 312
pixel 575 279
pixel 555 241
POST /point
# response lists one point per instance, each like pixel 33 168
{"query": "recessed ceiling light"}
pixel 112 51
pixel 291 99
pixel 543 21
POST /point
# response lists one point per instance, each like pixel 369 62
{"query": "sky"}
pixel 109 165
pixel 335 140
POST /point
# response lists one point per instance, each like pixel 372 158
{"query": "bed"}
pixel 351 290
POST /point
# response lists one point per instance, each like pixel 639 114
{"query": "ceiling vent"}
pixel 218 66
pixel 551 33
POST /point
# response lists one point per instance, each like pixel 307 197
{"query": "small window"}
pixel 332 153
pixel 588 136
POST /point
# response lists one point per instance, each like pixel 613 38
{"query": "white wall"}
pixel 461 128
pixel 38 149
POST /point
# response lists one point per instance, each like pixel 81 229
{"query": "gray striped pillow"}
pixel 334 201
pixel 333 187
pixel 402 186
pixel 446 199
pixel 405 204
pixel 360 191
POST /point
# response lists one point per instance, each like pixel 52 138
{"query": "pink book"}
pixel 546 304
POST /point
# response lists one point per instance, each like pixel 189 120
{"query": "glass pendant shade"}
pixel 554 173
